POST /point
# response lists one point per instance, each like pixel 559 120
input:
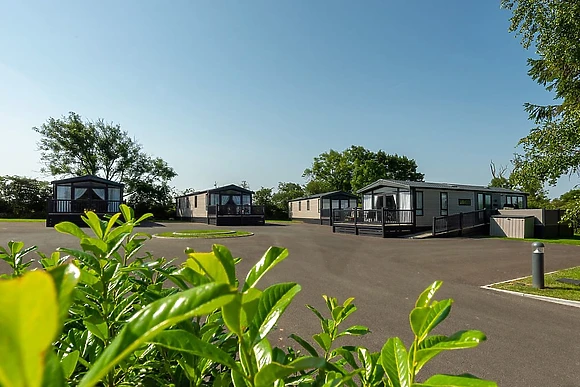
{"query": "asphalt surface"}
pixel 530 342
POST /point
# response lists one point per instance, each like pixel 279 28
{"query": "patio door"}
pixel 483 203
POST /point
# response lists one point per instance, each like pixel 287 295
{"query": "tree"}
pixel 357 167
pixel 552 148
pixel 244 184
pixel 263 197
pixel 23 197
pixel 285 193
pixel 498 179
pixel 314 187
pixel 72 147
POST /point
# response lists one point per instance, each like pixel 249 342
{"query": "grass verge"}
pixel 574 240
pixel 553 288
pixel 282 221
pixel 189 234
pixel 2 220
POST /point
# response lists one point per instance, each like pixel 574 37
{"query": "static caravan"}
pixel 318 208
pixel 424 200
pixel 73 196
pixel 229 205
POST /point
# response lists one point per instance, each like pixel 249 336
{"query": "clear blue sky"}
pixel 252 90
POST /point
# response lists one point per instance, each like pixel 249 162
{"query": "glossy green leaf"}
pixel 250 302
pixel 455 381
pixel 90 260
pixel 263 353
pixel 395 362
pixel 274 371
pixel 424 320
pixel 69 362
pixel 110 224
pixel 65 279
pixel 427 295
pixel 227 260
pixel 153 319
pixel 53 371
pixel 272 304
pixel 323 339
pixel 316 312
pixel 128 213
pixel 95 246
pixel 183 341
pixel 28 325
pixel 144 217
pixel 306 345
pixel 272 257
pixel 99 329
pixel 93 221
pixel 238 379
pixel 355 330
pixel 434 345
pixel 231 313
pixel 71 229
pixel 209 265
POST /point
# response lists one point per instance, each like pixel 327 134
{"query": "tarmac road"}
pixel 530 342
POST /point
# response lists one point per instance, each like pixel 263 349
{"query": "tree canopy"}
pixel 552 28
pixel 357 167
pixel 23 197
pixel 71 146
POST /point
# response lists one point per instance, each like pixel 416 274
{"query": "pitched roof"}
pixel 218 189
pixel 441 186
pixel 322 195
pixel 80 179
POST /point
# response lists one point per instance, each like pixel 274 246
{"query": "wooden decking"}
pixel 382 222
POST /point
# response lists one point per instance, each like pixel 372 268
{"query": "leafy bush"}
pixel 105 315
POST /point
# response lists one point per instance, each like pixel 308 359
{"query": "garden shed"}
pixel 73 196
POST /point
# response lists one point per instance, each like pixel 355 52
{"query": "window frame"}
pixel 308 205
pixel 444 211
pixel 419 211
pixel 464 202
pixel 299 205
pixel 195 201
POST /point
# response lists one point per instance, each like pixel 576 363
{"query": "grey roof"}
pixel 321 195
pixel 80 179
pixel 217 189
pixel 440 186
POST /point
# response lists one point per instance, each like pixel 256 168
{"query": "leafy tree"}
pixel 72 147
pixel 263 197
pixel 285 193
pixel 357 167
pixel 245 184
pixel 23 197
pixel 314 187
pixel 551 148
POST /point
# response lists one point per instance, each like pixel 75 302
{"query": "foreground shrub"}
pixel 101 315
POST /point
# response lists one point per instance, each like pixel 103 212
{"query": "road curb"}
pixel 554 300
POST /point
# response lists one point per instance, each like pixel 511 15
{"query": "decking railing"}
pixel 381 216
pixel 460 222
pixel 234 210
pixel 56 206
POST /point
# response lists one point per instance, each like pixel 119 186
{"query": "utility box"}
pixel 512 226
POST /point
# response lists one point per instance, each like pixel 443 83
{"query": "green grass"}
pixel 189 234
pixel 552 288
pixel 574 240
pixel 2 220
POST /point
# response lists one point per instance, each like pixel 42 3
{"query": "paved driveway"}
pixel 530 342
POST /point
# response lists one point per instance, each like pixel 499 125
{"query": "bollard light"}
pixel 538 265
pixel 538 247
